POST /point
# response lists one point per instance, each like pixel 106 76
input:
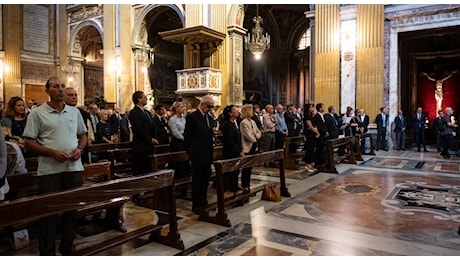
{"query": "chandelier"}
pixel 257 43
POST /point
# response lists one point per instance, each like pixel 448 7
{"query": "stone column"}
pixel 235 74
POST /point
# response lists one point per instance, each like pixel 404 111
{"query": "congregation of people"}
pixel 243 130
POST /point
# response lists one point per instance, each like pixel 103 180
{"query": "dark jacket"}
pixel 419 124
pixel 160 130
pixel 231 138
pixel 332 126
pixel 198 137
pixel 400 124
pixel 143 131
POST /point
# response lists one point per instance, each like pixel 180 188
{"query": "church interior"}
pixel 367 56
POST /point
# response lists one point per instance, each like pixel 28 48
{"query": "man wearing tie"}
pixel 198 143
pixel 144 137
pixel 382 121
pixel 419 128
pixel 400 130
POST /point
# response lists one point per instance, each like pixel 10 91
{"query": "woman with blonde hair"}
pixel 176 124
pixel 250 133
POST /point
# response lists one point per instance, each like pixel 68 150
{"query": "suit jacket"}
pixel 400 124
pixel 332 125
pixel 291 123
pixel 419 124
pixel 320 125
pixel 124 129
pixel 437 125
pixel 256 119
pixel 198 137
pixel 379 121
pixel 231 138
pixel 143 131
pixel 114 123
pixel 160 130
pixel 364 123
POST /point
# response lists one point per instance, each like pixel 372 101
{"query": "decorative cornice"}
pixel 85 13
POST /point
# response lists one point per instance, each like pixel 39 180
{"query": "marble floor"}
pixel 396 203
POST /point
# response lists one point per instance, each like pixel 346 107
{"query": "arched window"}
pixel 305 40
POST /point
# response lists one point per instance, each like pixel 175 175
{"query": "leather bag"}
pixel 271 192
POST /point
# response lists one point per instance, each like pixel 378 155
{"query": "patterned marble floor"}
pixel 384 206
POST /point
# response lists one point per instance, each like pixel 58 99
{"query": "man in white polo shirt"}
pixel 56 132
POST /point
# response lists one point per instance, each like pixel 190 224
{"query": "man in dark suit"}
pixel 160 123
pixel 382 122
pixel 320 158
pixel 291 120
pixel 437 128
pixel 198 143
pixel 400 130
pixel 114 121
pixel 256 117
pixel 419 128
pixel 363 126
pixel 144 137
pixel 125 127
pixel 332 124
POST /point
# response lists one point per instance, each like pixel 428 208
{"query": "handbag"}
pixel 271 192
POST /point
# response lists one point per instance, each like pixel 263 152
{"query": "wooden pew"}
pixel 362 138
pixel 291 153
pixel 161 161
pixel 26 184
pixel 30 208
pixel 349 157
pixel 223 166
pixel 103 149
pixel 121 162
pixel 31 164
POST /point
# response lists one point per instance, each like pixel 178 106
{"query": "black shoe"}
pixel 418 150
pixel 426 151
pixel 199 211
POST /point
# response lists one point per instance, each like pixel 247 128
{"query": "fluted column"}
pixel 12 44
pixel 370 59
pixel 327 55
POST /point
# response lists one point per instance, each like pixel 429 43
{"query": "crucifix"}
pixel 438 92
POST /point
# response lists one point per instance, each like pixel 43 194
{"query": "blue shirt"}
pixel 281 126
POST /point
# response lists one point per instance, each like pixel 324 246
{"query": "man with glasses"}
pixel 198 143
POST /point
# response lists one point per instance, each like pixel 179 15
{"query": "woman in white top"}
pixel 176 124
pixel 250 133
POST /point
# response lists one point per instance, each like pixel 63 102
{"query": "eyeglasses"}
pixel 210 106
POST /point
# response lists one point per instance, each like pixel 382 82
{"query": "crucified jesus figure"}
pixel 438 92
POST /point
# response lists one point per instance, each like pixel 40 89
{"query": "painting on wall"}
pixel 94 84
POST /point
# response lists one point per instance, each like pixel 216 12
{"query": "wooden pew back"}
pixel 291 153
pixel 30 208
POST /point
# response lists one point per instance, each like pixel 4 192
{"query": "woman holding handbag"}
pixel 250 133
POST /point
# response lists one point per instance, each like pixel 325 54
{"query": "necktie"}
pixel 207 120
pixel 383 119
pixel 147 114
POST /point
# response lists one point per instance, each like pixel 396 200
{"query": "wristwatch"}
pixel 81 149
